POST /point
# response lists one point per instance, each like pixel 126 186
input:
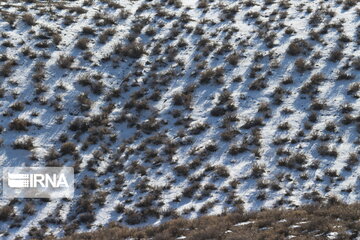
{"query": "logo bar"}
pixel 38 182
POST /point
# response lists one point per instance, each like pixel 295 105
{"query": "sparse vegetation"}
pixel 170 109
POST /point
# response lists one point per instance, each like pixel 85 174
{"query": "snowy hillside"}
pixel 171 108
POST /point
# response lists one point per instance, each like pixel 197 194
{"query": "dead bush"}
pixel 190 190
pixel 257 170
pixel 214 75
pixel 233 59
pixel 19 124
pixel 336 55
pixel 56 38
pixel 326 150
pixel 79 124
pixel 88 30
pixel 82 43
pixel 17 106
pixel 89 183
pixel 65 61
pixel 356 63
pixel 255 122
pixel 236 149
pixel 298 46
pixel 84 102
pixel 353 89
pixel 104 36
pixel 302 66
pixel 317 78
pixel 87 217
pixel 342 75
pixel 182 99
pixel 6 68
pixel 24 142
pixel 198 128
pixel 330 126
pixel 29 208
pixel 182 170
pixel 284 126
pixel 133 217
pixel 133 50
pixel 68 148
pixel 222 171
pixel 229 134
pixel 331 173
pixel 349 3
pixel 119 208
pixel 318 105
pixel 29 19
pixel 218 111
pixel 6 212
pixel 295 160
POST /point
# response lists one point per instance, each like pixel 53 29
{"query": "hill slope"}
pixel 178 108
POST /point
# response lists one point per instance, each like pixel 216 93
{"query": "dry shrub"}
pixel 342 75
pixel 104 36
pixel 353 89
pixel 250 123
pixel 24 142
pixel 349 3
pixel 317 78
pixel 298 46
pixel 65 61
pixel 29 208
pixel 6 212
pixel 68 148
pixel 294 160
pixel 302 66
pixel 133 50
pixel 6 68
pixel 17 106
pixel 229 134
pixel 190 190
pixel 89 183
pixel 84 102
pixel 318 105
pixel 222 171
pixel 82 43
pixel 257 170
pixel 182 170
pixel 87 217
pixel 336 55
pixel 218 111
pixel 214 75
pixel 79 124
pixel 182 98
pixel 236 149
pixel 19 124
pixel 133 217
pixel 326 150
pixel 197 128
pixel 88 30
pixel 56 38
pixel 29 19
pixel 356 63
pixel 233 59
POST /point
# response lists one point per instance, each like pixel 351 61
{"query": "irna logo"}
pixel 38 182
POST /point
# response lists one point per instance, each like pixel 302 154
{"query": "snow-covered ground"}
pixel 185 108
